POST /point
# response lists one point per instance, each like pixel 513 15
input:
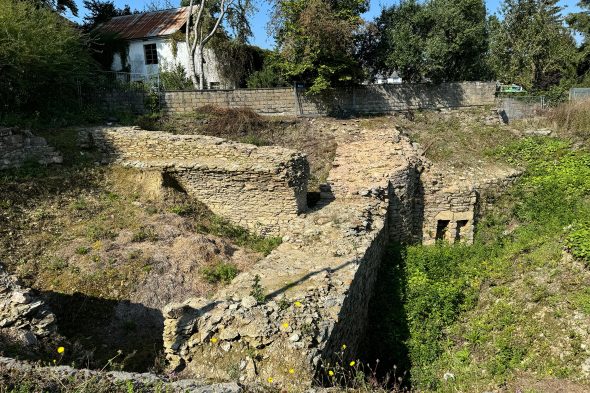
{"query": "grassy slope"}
pixel 63 231
pixel 514 308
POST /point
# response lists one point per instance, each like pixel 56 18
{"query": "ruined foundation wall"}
pixel 18 146
pixel 452 205
pixel 318 283
pixel 262 188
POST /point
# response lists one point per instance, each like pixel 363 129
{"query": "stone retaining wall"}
pixel 371 99
pixel 261 188
pixel 18 146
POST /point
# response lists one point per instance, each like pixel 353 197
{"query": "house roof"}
pixel 147 24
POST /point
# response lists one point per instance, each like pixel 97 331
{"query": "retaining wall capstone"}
pixel 18 146
pixel 261 188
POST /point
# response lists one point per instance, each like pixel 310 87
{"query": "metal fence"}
pixel 579 93
pixel 521 107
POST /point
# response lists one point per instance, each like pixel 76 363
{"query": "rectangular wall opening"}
pixel 461 230
pixel 442 226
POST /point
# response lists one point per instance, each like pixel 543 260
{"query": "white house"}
pixel 151 48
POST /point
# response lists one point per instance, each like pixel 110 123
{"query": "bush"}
pixel 578 242
pixel 175 78
pixel 266 77
pixel 220 272
pixel 44 60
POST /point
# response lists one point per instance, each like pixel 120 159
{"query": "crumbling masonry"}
pixel 319 281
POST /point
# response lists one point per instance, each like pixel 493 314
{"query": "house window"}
pixel 151 54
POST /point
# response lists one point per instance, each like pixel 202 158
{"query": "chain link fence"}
pixel 579 93
pixel 521 107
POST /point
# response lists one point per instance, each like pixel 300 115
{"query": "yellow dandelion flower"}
pixel 298 304
pixel 213 340
pixel 285 325
pixel 291 371
pixel 352 363
pixel 61 350
pixel 343 346
pixel 269 380
pixel 331 373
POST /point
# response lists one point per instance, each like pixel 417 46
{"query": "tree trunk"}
pixel 201 68
pixel 192 70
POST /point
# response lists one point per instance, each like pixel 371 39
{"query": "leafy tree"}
pixel 530 45
pixel 457 41
pixel 315 41
pixel 59 6
pixel 43 59
pixel 400 39
pixel 102 11
pixel 440 40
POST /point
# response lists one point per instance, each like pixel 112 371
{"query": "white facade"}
pixel 139 68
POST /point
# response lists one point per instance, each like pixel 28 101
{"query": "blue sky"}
pixel 260 18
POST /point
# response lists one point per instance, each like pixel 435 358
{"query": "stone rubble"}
pixel 25 319
pixel 18 146
pixel 140 381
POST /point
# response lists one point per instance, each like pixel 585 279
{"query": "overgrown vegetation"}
pixel 107 255
pixel 473 318
pixel 44 61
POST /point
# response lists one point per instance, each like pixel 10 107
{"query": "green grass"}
pixel 504 306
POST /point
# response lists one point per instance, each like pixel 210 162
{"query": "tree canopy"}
pixel 439 40
pixel 315 41
pixel 530 44
pixel 43 58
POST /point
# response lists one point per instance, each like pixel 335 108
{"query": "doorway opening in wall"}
pixel 442 226
pixel 461 229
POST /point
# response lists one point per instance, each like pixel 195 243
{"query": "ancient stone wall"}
pixel 319 282
pixel 18 146
pixel 261 188
pixel 370 99
pixel 452 204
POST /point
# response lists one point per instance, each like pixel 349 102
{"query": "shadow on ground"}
pixel 109 333
pixel 385 349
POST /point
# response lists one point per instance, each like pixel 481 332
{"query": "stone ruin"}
pixel 291 315
pixel 25 319
pixel 317 284
pixel 260 188
pixel 18 146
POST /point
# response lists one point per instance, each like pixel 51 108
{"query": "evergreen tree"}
pixel 530 45
pixel 580 22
